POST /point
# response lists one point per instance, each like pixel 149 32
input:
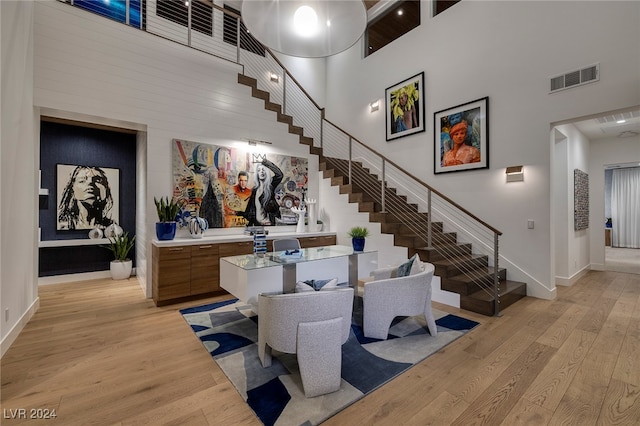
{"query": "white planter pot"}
pixel 120 270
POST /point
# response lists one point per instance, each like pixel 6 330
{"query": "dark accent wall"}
pixel 76 145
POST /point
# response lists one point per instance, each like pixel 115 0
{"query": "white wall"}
pixel 605 152
pixel 19 172
pixel 560 204
pixel 340 216
pixel 88 66
pixel 506 51
pixel 576 258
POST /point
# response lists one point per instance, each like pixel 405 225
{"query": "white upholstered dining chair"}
pixel 313 325
pixel 389 296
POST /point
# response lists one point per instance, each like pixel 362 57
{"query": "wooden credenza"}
pixel 190 269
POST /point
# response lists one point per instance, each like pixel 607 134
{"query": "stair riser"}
pixel 390 218
pixel 469 286
pixel 405 229
pixel 434 255
pixel 368 207
pixel 448 271
pixel 400 225
pixel 488 307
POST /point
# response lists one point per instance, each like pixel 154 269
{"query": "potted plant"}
pixel 358 234
pixel 167 211
pixel 120 246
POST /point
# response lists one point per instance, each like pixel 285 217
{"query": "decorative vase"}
pixel 95 233
pixel 120 269
pixel 197 226
pixel 113 231
pixel 165 230
pixel 311 208
pixel 358 243
pixel 301 214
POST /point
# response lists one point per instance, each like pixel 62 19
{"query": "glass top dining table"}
pixel 279 258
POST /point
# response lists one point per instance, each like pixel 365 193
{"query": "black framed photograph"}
pixel 462 137
pixel 87 196
pixel 404 106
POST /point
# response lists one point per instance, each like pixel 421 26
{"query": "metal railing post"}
pixel 189 24
pixel 284 92
pixel 350 145
pixel 383 185
pixel 496 278
pixel 126 18
pixel 238 23
pixel 322 130
pixel 429 230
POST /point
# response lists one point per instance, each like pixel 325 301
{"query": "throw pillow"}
pixel 302 287
pixel 417 266
pixel 316 285
pixel 405 268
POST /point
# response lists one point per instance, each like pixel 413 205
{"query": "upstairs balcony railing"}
pixel 220 31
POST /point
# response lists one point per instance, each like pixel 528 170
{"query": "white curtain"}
pixel 625 208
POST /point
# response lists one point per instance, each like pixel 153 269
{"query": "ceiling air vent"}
pixel 575 78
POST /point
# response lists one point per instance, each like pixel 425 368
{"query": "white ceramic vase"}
pixel 311 209
pixel 120 269
pixel 197 227
pixel 301 213
pixel 113 230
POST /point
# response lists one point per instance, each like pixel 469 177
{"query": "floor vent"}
pixel 575 78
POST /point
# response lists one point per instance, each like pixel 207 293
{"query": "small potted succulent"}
pixel 358 234
pixel 167 212
pixel 120 246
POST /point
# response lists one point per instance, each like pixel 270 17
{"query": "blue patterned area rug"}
pixel 275 394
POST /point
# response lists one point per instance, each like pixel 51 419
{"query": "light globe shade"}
pixel 308 29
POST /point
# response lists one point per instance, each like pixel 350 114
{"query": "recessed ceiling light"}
pixel 400 12
pixel 621 121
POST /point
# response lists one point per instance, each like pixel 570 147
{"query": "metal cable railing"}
pixel 414 209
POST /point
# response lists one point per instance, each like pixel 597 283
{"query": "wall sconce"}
pixel 515 173
pixel 274 77
pixel 374 106
pixel 256 142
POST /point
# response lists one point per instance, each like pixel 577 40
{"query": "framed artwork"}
pixel 231 187
pixel 404 106
pixel 580 200
pixel 462 137
pixel 87 196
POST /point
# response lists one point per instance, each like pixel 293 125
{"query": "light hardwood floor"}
pixel 99 353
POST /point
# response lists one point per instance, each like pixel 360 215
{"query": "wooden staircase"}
pixel 462 273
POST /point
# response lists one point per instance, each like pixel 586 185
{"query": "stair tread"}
pixel 338 170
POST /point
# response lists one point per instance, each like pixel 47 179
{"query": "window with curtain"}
pixel 625 208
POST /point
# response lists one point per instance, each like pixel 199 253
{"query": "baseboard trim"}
pixel 569 281
pixel 15 331
pixel 69 278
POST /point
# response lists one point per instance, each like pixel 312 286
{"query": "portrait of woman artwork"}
pixel 462 137
pixel 87 197
pixel 232 187
pixel 404 104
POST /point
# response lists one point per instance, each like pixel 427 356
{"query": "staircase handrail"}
pixel 492 288
pixel 418 180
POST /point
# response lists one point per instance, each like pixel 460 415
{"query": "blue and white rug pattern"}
pixel 230 334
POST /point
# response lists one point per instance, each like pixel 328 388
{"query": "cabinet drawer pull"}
pixel 205 247
pixel 312 238
pixel 176 249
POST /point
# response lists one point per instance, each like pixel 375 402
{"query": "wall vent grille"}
pixel 575 78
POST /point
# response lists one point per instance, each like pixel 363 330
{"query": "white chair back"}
pixel 286 244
